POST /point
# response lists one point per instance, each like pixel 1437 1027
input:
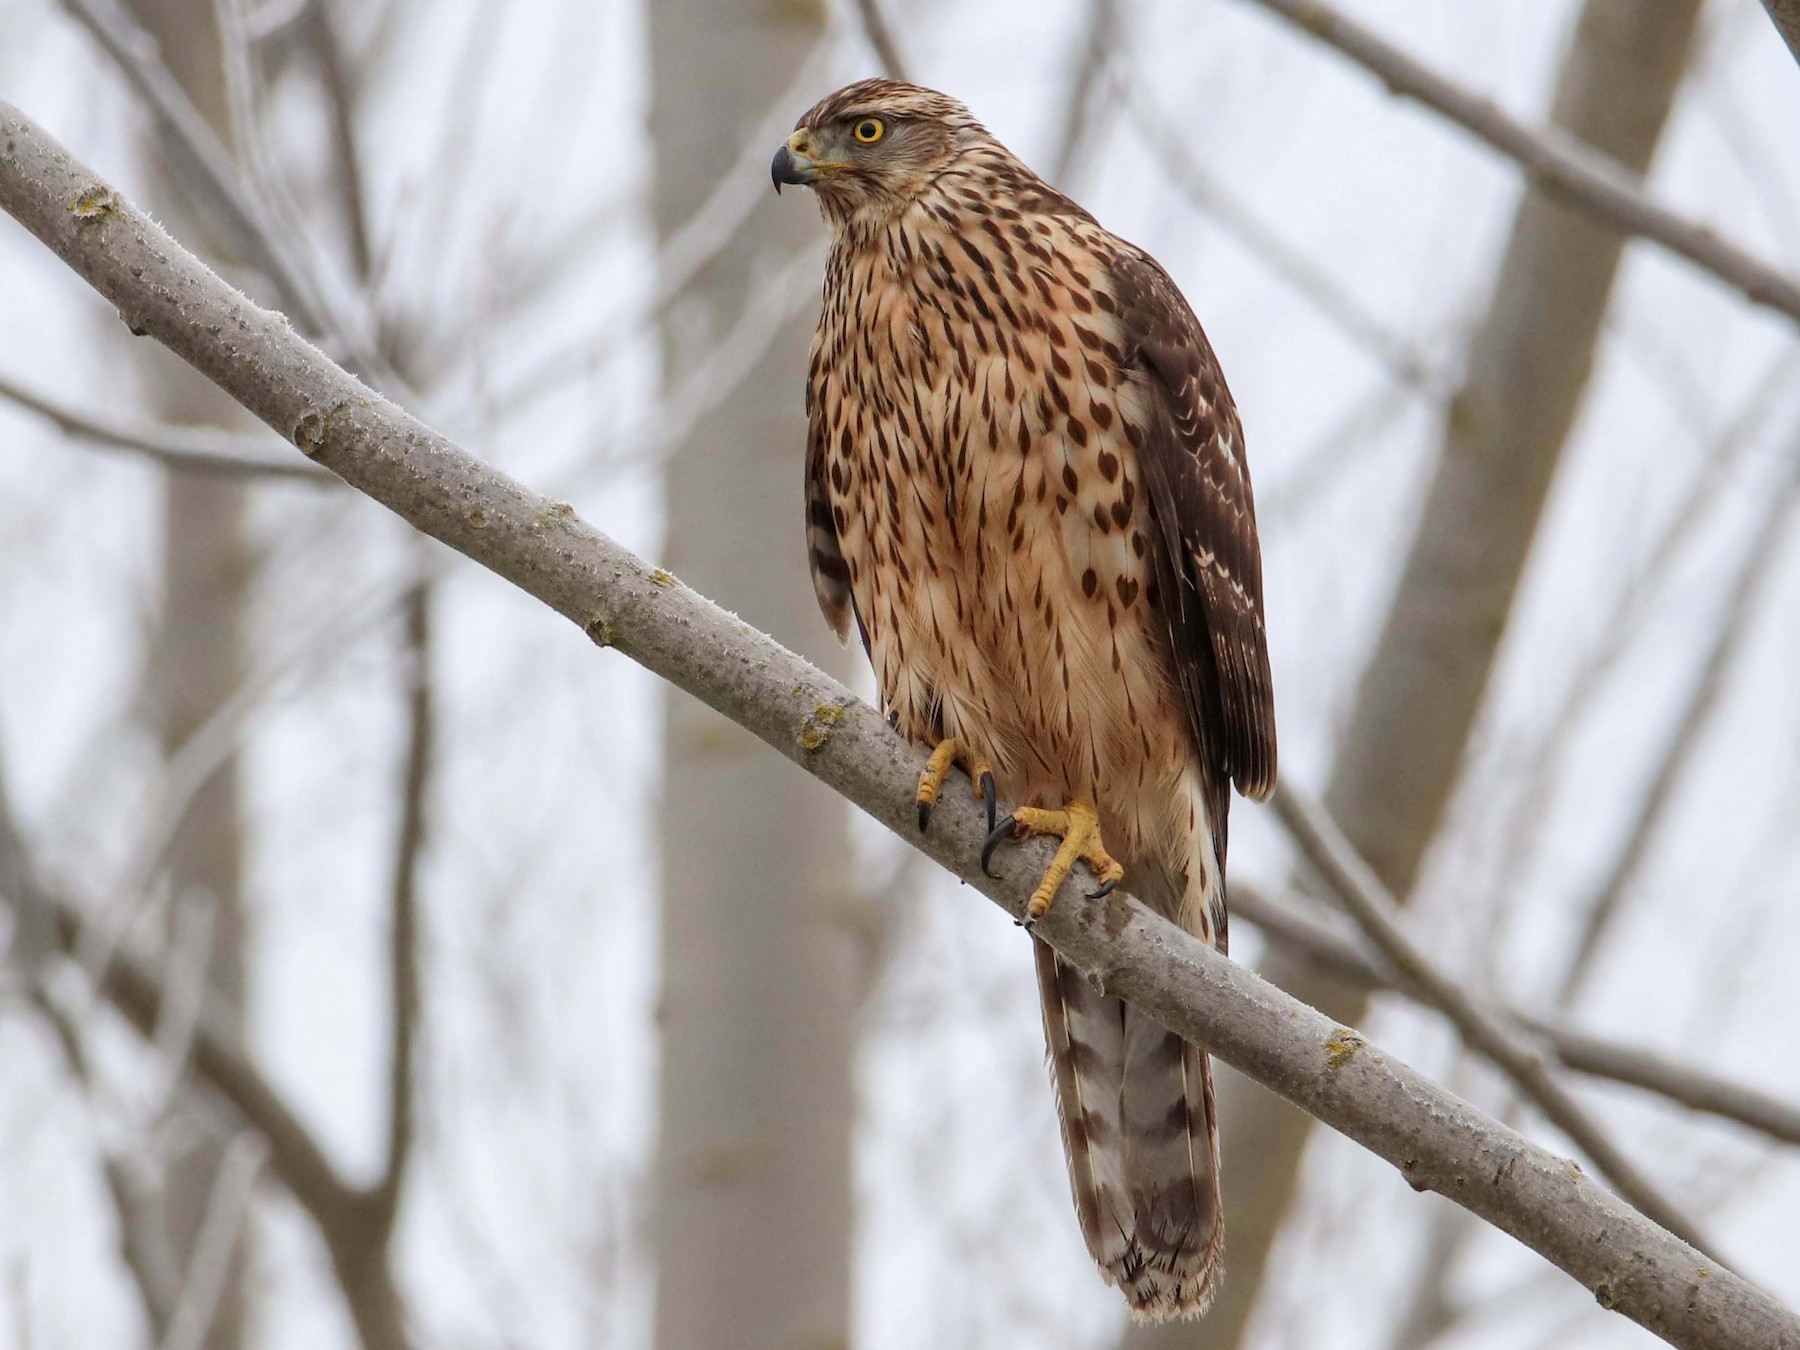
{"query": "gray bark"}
pixel 1438 1141
pixel 759 1007
pixel 1504 434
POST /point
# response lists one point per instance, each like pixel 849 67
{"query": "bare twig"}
pixel 403 941
pixel 202 448
pixel 341 1211
pixel 1082 105
pixel 1741 606
pixel 246 215
pixel 226 1210
pixel 881 39
pixel 1354 884
pixel 143 1247
pixel 1262 239
pixel 135 52
pixel 1327 945
pixel 1785 15
pixel 322 38
pixel 1438 1141
pixel 347 1217
pixel 1557 162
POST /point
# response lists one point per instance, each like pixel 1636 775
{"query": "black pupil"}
pixel 867 131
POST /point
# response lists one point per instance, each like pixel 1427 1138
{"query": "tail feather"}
pixel 1141 1137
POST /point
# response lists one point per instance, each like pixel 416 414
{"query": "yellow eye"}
pixel 869 130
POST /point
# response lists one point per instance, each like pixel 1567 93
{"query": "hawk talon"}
pixel 1078 826
pixel 997 836
pixel 931 778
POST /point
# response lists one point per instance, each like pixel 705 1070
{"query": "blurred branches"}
pixel 1263 240
pixel 1502 436
pixel 403 934
pixel 1557 163
pixel 196 448
pixel 249 219
pixel 1741 606
pixel 1367 901
pixel 1438 1141
pixel 881 39
pixel 1288 924
pixel 295 1157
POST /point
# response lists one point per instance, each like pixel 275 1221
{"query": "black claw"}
pixel 1104 891
pixel 1027 923
pixel 924 816
pixel 992 797
pixel 996 837
pixel 894 718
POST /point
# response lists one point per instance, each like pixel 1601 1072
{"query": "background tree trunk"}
pixel 198 657
pixel 759 1007
pixel 1416 705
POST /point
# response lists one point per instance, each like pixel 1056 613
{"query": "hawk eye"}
pixel 869 130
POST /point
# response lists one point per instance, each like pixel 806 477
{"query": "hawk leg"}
pixel 1078 826
pixel 952 751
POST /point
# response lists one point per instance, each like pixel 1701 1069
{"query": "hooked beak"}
pixel 794 163
pixel 787 167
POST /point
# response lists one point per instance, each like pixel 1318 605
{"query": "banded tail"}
pixel 1140 1135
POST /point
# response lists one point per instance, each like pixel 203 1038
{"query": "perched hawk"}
pixel 1025 484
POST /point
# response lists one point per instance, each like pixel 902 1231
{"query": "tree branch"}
pixel 1323 944
pixel 1360 892
pixel 244 213
pixel 203 448
pixel 881 39
pixel 1438 1142
pixel 340 1210
pixel 1263 239
pixel 348 1218
pixel 1558 163
pixel 1785 15
pixel 403 941
pixel 1755 571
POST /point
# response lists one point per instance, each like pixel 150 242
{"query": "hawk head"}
pixel 873 146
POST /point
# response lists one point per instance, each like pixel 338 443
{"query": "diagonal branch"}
pixel 1557 162
pixel 1356 887
pixel 881 39
pixel 1438 1142
pixel 1323 944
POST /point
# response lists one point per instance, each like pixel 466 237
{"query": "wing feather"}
pixel 1209 561
pixel 830 573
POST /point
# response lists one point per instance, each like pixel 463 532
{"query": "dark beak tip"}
pixel 781 168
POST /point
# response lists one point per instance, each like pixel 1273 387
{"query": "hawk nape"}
pixel 1025 483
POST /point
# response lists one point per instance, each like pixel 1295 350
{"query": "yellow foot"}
pixel 1078 826
pixel 948 752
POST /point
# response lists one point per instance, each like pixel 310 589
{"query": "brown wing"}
pixel 830 574
pixel 1209 564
